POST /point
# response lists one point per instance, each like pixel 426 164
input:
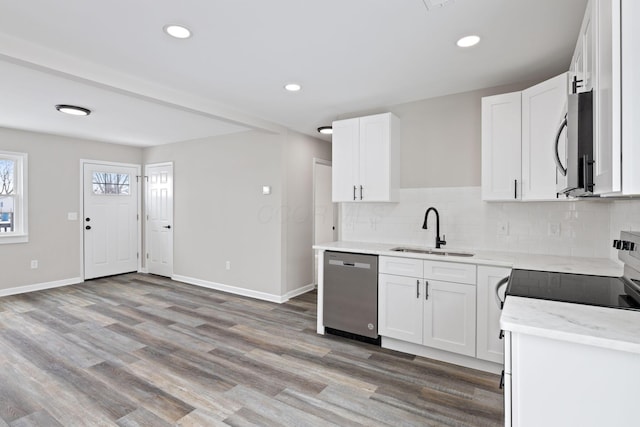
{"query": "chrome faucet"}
pixel 439 242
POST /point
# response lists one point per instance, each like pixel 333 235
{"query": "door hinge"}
pixel 138 217
pixel 138 255
pixel 147 255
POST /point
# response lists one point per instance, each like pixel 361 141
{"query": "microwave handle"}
pixel 559 166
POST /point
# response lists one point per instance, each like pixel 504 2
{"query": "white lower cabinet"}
pixel 422 310
pixel 551 382
pixel 490 346
pixel 449 317
pixel 400 308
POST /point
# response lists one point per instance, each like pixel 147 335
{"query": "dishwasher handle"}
pixel 340 263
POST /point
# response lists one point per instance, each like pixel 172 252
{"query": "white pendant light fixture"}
pixel 73 110
pixel 325 130
pixel 177 31
pixel 468 41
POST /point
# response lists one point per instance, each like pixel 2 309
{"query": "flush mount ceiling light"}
pixel 292 87
pixel 468 41
pixel 325 130
pixel 177 31
pixel 73 110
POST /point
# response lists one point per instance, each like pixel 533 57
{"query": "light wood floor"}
pixel 138 350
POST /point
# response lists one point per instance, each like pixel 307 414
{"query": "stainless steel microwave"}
pixel 574 147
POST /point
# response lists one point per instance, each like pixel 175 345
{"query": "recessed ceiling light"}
pixel 325 130
pixel 73 110
pixel 177 31
pixel 468 41
pixel 292 87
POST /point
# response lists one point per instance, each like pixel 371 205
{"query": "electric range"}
pixel 614 292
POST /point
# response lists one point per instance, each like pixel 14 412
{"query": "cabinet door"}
pixel 607 95
pixel 450 317
pixel 375 154
pixel 543 109
pixel 501 146
pixel 345 160
pixel 400 307
pixel 489 346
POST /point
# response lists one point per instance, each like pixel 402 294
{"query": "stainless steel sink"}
pixel 431 252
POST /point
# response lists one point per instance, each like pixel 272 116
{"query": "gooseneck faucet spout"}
pixel 439 242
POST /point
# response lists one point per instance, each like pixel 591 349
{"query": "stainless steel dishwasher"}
pixel 351 294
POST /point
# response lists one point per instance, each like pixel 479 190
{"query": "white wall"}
pixel 54 190
pixel 220 212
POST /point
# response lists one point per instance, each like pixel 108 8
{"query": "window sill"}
pixel 14 238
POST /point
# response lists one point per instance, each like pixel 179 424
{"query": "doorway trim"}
pixel 317 161
pixel 139 179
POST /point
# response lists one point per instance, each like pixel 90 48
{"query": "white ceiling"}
pixel 146 88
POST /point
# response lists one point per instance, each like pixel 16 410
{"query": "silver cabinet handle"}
pixel 354 192
pixel 417 288
pixel 426 290
pixel 561 169
pixel 500 284
pixel 361 192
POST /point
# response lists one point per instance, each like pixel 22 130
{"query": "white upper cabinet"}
pixel 543 110
pixel 518 141
pixel 609 43
pixel 366 159
pixel 501 147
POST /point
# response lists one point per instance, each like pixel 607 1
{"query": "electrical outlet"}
pixel 72 216
pixel 228 265
pixel 554 229
pixel 34 263
pixel 503 228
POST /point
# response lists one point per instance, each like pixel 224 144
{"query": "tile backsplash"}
pixel 582 228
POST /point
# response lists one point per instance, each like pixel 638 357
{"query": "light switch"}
pixel 266 189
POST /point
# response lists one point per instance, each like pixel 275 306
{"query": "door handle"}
pixel 88 227
pixel 166 226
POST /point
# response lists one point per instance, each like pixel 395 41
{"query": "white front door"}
pixel 159 207
pixel 110 219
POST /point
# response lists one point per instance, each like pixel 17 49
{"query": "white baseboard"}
pixel 231 289
pixel 143 270
pixel 444 356
pixel 40 286
pixel 294 293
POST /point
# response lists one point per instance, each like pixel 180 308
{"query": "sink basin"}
pixel 432 252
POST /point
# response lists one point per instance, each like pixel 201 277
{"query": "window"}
pixel 13 197
pixel 108 183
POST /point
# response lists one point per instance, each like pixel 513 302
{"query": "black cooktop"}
pixel 603 291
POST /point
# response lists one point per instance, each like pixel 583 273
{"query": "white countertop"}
pixel 560 264
pixel 583 324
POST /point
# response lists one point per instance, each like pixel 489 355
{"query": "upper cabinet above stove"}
pixel 607 60
pixel 366 159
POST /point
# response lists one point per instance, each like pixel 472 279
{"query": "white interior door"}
pixel 159 208
pixel 110 219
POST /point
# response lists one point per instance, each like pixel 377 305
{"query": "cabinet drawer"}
pixel 400 266
pixel 450 272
